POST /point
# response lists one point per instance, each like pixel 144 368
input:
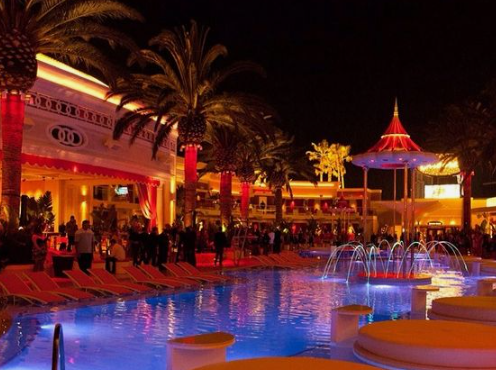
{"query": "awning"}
pixel 70 166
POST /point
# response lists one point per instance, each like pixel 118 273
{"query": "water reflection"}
pixel 275 313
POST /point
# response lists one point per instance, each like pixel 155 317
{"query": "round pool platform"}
pixel 427 345
pixel 476 309
pixel 381 279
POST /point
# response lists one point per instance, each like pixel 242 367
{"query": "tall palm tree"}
pixel 463 132
pixel 186 91
pixel 247 163
pixel 61 28
pixel 221 158
pixel 279 164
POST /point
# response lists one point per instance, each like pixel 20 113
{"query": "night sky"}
pixel 334 67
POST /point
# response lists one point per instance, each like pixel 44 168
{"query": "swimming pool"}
pixel 276 313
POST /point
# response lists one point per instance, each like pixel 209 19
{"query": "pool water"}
pixel 272 313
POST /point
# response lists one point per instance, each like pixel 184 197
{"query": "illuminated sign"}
pixel 434 223
pixel 442 191
pixel 121 190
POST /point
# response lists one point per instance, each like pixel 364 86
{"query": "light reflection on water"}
pixel 276 313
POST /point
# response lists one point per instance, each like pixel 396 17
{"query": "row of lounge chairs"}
pixel 285 260
pixel 144 280
pixel 101 282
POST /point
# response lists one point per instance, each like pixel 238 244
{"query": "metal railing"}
pixel 58 352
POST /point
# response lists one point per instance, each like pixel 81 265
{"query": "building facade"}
pixel 68 150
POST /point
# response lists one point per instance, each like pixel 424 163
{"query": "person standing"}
pixel 40 248
pixel 135 243
pixel 272 235
pixel 151 245
pixel 116 253
pixel 220 242
pixel 85 242
pixel 189 245
pixel 70 228
pixel 277 241
pixel 163 246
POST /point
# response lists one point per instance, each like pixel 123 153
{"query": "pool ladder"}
pixel 58 352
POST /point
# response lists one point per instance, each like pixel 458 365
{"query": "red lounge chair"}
pixel 140 277
pixel 83 281
pixel 155 273
pixel 192 270
pixel 278 259
pixel 180 273
pixel 44 283
pixel 267 262
pixel 290 256
pixel 106 278
pixel 14 286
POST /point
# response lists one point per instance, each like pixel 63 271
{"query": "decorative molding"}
pixel 63 108
pixel 67 136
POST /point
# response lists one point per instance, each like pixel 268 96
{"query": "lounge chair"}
pixel 290 256
pixel 44 283
pixel 192 270
pixel 14 286
pixel 83 281
pixel 140 277
pixel 106 278
pixel 268 262
pixel 180 273
pixel 278 259
pixel 155 273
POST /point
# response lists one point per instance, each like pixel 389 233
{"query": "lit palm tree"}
pixel 247 163
pixel 280 163
pixel 221 158
pixel 61 28
pixel 321 154
pixel 186 92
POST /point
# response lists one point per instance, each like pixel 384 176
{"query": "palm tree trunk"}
pixel 278 204
pixel 12 113
pixel 190 180
pixel 245 200
pixel 467 200
pixel 225 197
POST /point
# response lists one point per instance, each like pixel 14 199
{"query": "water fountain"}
pixel 393 264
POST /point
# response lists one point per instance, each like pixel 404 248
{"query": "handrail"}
pixel 58 352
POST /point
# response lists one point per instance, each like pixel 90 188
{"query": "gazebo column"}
pixel 364 205
pixel 394 204
pixel 414 184
pixel 405 204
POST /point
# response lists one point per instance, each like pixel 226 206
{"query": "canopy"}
pixel 394 149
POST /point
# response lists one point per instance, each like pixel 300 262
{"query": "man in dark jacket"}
pixel 220 242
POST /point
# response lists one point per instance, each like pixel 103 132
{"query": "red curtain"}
pixel 147 195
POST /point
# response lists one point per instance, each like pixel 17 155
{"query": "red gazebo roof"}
pixel 394 150
pixel 395 138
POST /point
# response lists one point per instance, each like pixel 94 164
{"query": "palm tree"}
pixel 338 155
pixel 280 163
pixel 321 155
pixel 61 28
pixel 247 160
pixel 463 132
pixel 186 92
pixel 221 157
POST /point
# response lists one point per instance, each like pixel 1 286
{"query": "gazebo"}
pixel 395 150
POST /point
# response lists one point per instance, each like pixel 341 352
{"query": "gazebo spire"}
pixel 396 112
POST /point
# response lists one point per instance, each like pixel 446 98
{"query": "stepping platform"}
pixel 486 286
pixel 288 363
pixel 427 345
pixel 344 322
pixel 198 350
pixel 419 298
pixel 475 309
